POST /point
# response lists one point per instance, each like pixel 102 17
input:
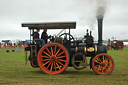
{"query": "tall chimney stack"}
pixel 100 20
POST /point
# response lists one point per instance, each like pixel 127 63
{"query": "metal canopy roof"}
pixel 50 25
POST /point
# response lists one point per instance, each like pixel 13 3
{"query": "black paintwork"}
pixel 71 46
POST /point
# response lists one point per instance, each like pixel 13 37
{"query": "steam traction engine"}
pixel 64 51
pixel 115 44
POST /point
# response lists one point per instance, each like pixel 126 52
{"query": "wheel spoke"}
pixel 102 69
pixel 97 62
pixel 106 69
pixel 61 56
pixel 99 59
pixel 46 54
pixel 99 68
pixel 103 58
pixel 60 53
pixel 62 60
pixel 55 50
pixel 46 63
pixel 97 65
pixel 51 50
pixel 48 51
pixel 109 66
pixel 51 67
pixel 106 59
pixel 45 60
pixel 60 63
pixel 57 65
pixel 108 62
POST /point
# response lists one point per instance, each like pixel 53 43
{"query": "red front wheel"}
pixel 53 58
pixel 102 64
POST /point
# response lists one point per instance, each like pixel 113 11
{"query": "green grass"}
pixel 13 71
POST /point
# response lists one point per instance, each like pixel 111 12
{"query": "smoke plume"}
pixel 91 10
pixel 101 8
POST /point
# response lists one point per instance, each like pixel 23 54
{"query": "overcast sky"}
pixel 15 12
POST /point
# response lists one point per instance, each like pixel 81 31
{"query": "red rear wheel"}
pixel 53 58
pixel 120 47
pixel 102 64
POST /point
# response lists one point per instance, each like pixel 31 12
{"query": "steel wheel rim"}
pixel 103 64
pixel 75 61
pixel 120 47
pixel 53 61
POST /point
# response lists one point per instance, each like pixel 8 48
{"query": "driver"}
pixel 36 36
pixel 45 36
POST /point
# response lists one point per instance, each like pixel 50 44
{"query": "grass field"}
pixel 13 71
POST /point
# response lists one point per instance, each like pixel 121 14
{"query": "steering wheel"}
pixel 66 36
